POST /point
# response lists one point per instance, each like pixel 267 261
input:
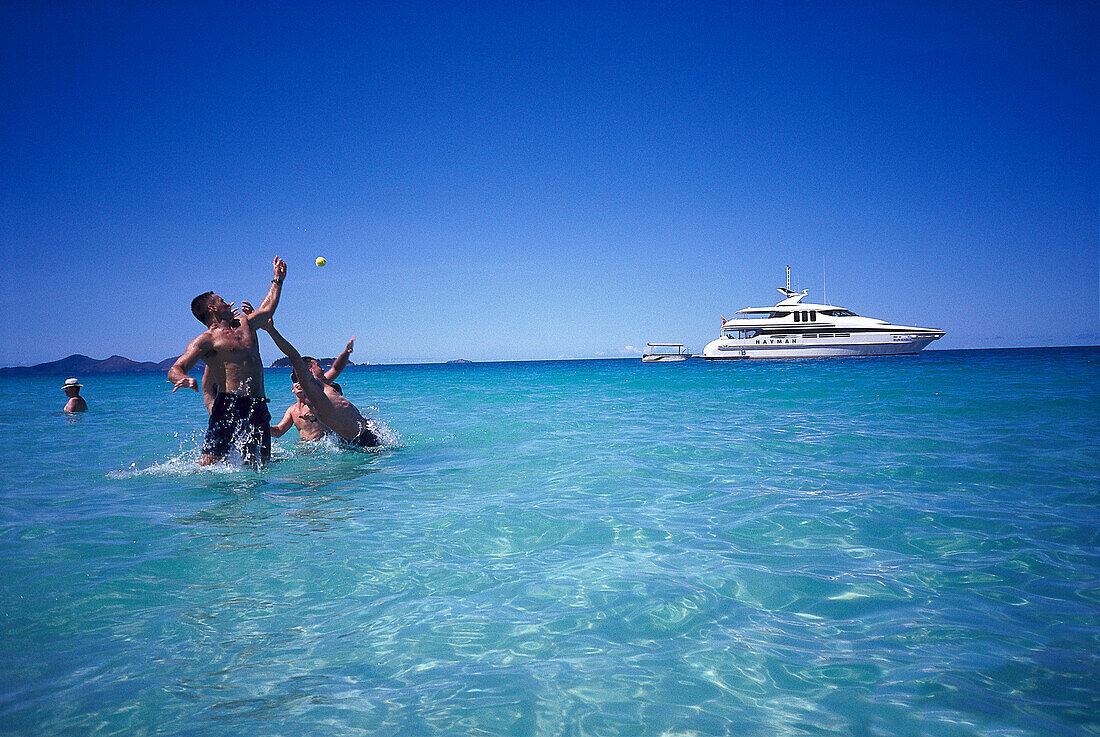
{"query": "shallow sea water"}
pixel 891 546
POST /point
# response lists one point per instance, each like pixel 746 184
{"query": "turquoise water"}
pixel 892 546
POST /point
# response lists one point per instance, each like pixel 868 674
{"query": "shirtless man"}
pixel 328 404
pixel 301 414
pixel 231 350
pixel 209 382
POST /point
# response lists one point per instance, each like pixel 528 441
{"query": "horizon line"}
pixel 460 362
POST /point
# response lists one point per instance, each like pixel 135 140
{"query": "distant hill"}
pixel 77 365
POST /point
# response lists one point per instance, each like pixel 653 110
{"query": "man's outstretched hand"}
pixel 186 381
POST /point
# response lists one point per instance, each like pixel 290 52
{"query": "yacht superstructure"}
pixel 795 329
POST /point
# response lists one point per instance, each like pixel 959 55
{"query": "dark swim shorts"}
pixel 239 422
pixel 365 439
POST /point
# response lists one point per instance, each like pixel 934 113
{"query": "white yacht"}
pixel 796 329
pixel 667 356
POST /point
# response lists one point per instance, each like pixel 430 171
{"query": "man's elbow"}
pixel 260 316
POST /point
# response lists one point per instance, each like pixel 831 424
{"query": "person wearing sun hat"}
pixel 76 402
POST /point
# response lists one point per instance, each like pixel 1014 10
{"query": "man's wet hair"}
pixel 199 307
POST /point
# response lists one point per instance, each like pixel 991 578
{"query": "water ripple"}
pixel 884 547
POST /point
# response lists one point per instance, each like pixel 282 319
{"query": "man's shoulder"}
pixel 205 337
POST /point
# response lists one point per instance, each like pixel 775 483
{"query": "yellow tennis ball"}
pixel 321 261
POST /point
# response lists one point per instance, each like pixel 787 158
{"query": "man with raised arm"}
pixel 230 348
pixel 301 415
pixel 331 408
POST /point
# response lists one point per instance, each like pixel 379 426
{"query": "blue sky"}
pixel 501 181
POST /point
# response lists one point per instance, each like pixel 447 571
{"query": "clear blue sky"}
pixel 544 180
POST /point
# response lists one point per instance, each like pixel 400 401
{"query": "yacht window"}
pixel 778 314
pixel 813 316
pixel 797 316
pixel 839 313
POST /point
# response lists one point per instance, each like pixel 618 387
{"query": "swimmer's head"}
pixel 208 305
pixel 200 307
pixel 315 369
pixel 314 366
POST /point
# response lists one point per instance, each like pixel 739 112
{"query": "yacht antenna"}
pixel 824 294
pixel 788 278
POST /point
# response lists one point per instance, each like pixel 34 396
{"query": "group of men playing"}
pixel 233 382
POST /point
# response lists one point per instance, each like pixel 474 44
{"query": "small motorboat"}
pixel 665 356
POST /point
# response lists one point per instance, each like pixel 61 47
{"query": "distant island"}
pixel 81 365
pixel 460 360
pixel 77 365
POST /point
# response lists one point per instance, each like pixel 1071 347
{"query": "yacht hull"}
pixel 888 344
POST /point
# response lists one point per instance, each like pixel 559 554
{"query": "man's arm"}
pixel 340 362
pixel 313 389
pixel 288 350
pixel 263 313
pixel 177 375
pixel 277 431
